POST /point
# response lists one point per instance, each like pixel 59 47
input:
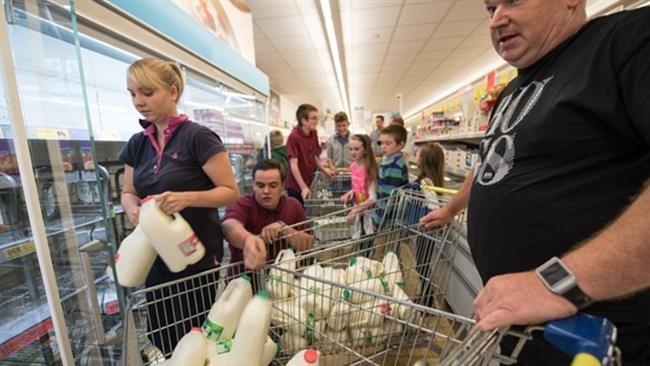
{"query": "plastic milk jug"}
pixel 191 349
pixel 225 313
pixel 371 284
pixel 278 281
pixel 285 311
pixel 251 332
pixel 365 336
pixel 315 296
pixel 307 357
pixel 171 236
pixel 392 269
pixel 401 311
pixel 292 341
pixel 269 351
pixel 362 268
pixel 134 259
pixel 218 353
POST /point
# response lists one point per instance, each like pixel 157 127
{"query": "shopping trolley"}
pixel 326 193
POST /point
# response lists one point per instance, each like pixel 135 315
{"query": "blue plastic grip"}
pixel 582 333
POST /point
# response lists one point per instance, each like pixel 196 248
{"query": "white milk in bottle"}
pixel 279 283
pixel 307 357
pixel 134 259
pixel 392 269
pixel 251 332
pixel 292 341
pixel 171 236
pixel 371 284
pixel 218 353
pixel 270 350
pixel 361 268
pixel 402 311
pixel 191 349
pixel 224 315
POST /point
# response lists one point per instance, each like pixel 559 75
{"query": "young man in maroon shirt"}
pixel 253 223
pixel 303 151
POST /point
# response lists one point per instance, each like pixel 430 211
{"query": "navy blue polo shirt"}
pixel 177 168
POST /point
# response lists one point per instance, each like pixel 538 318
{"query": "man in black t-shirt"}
pixel 566 151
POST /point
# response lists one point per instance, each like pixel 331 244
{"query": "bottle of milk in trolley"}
pixel 270 350
pixel 307 357
pixel 225 313
pixel 134 259
pixel 248 344
pixel 191 350
pixel 171 236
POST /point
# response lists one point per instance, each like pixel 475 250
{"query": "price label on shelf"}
pixel 52 134
pixel 108 136
pixel 19 250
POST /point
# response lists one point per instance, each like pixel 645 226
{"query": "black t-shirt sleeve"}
pixel 633 69
pixel 206 144
pixel 128 153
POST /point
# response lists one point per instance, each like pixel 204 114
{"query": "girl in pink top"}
pixel 364 172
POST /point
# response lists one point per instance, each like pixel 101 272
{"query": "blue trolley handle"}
pixel 589 339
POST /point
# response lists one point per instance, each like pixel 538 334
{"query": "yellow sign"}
pixel 19 250
pixel 108 136
pixel 513 74
pixel 504 78
pixel 52 134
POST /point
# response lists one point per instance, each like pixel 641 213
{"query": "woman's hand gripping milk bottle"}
pixel 171 236
pixel 134 259
pixel 392 270
pixel 224 316
pixel 307 357
pixel 279 283
pixel 191 350
pixel 251 332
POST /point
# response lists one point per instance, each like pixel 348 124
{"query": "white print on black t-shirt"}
pixel 498 146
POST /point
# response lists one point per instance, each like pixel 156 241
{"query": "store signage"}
pixel 19 251
pixel 108 136
pixel 25 338
pixel 52 133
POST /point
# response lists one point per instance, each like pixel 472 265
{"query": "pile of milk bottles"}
pixel 235 333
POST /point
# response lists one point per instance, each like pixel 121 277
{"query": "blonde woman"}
pixel 186 167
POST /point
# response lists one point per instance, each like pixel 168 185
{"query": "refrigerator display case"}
pixel 74 143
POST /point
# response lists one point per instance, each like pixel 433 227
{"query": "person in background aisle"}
pixel 431 164
pixel 303 151
pixel 186 167
pixel 278 149
pixel 374 135
pixel 338 151
pixel 396 120
pixel 253 223
pixel 393 171
pixel 566 151
pixel 364 173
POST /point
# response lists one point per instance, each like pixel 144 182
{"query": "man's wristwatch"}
pixel 559 280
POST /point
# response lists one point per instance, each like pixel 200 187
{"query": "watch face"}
pixel 554 274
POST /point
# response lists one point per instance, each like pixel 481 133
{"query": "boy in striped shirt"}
pixel 393 171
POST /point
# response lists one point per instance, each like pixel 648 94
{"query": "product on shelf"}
pixel 171 236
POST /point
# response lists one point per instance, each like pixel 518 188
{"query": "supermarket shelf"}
pixel 457 172
pixel 474 137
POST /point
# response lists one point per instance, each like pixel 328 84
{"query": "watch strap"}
pixel 577 297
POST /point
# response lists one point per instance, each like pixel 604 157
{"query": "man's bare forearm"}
pixel 616 262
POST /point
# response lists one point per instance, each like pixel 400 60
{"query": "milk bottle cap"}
pixel 245 277
pixel 264 294
pixel 353 261
pixel 311 356
pixel 346 295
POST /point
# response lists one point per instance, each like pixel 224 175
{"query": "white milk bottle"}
pixel 371 284
pixel 134 259
pixel 340 314
pixel 171 236
pixel 307 357
pixel 392 269
pixel 218 353
pixel 292 341
pixel 285 312
pixel 279 283
pixel 402 311
pixel 315 296
pixel 251 332
pixel 366 336
pixel 191 349
pixel 224 315
pixel 362 268
pixel 269 351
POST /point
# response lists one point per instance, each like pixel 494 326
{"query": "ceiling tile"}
pixel 397 67
pixel 476 40
pixel 368 36
pixel 400 58
pixel 466 10
pixel 425 65
pixel 418 72
pixel 282 27
pixel 411 32
pixel 442 44
pixel 300 56
pixel 452 29
pixel 263 9
pixel 467 53
pixel 378 49
pixel 307 7
pixel 426 13
pixel 370 18
pixel 401 47
pixel 292 43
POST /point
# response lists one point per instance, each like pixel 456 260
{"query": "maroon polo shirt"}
pixel 255 217
pixel 305 149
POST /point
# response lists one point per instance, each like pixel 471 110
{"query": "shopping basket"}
pixel 326 193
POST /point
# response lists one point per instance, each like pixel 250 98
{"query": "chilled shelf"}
pixel 474 137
